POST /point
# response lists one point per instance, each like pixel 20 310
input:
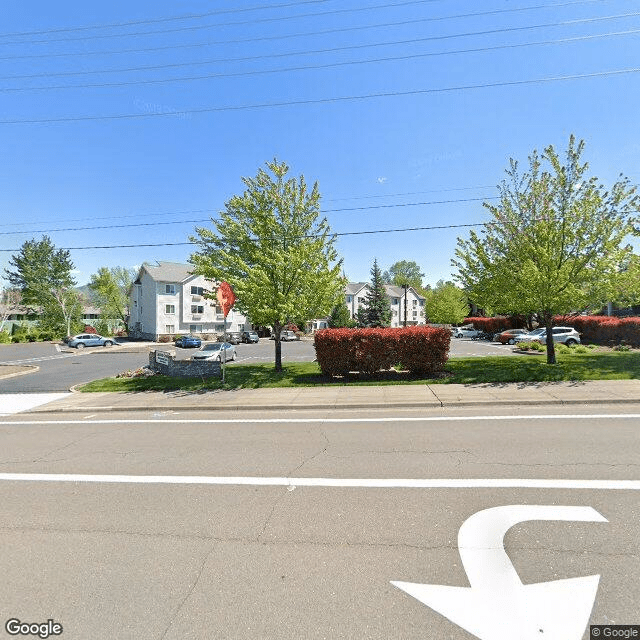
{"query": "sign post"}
pixel 226 298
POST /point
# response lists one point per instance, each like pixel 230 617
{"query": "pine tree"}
pixel 340 317
pixel 376 311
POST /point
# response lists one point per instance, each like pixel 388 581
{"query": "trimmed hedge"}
pixel 603 329
pixel 421 350
pixel 492 325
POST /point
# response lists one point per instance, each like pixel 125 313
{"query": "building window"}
pixel 170 289
pixel 170 328
pixel 197 291
pixel 349 298
pixel 195 328
pixel 361 300
pixel 197 308
pixel 395 301
pixel 169 308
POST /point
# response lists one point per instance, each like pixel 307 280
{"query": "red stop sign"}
pixel 225 297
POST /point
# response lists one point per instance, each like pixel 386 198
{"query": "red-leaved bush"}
pixel 492 325
pixel 603 329
pixel 419 349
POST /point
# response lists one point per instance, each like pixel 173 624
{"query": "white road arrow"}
pixel 498 606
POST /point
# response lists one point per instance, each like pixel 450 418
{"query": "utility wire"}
pixel 186 16
pixel 258 38
pixel 103 85
pixel 231 24
pixel 305 53
pixel 156 223
pixel 345 233
pixel 331 100
pixel 172 213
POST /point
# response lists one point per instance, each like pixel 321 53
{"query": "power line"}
pixel 156 223
pixel 331 100
pixel 230 24
pixel 186 16
pixel 258 38
pixel 290 69
pixel 300 53
pixel 341 234
pixel 171 213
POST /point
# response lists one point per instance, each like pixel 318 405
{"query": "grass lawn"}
pixel 610 365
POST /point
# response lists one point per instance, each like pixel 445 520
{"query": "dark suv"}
pixel 250 336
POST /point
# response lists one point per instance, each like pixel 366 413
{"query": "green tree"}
pixel 446 304
pixel 271 245
pixel 110 288
pixel 376 310
pixel 43 276
pixel 556 243
pixel 340 317
pixel 404 272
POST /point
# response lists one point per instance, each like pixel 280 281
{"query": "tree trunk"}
pixel 551 349
pixel 277 327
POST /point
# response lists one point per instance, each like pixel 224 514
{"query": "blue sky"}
pixel 374 156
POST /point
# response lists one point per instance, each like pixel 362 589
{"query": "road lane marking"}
pixel 497 602
pixel 249 420
pixel 346 483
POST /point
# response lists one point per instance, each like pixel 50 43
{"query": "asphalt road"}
pixel 252 529
pixel 61 368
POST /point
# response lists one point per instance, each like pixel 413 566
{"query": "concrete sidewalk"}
pixel 357 397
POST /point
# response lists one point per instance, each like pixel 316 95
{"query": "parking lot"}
pixel 56 367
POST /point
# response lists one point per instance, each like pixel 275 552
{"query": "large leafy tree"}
pixel 446 304
pixel 556 244
pixel 376 310
pixel 271 245
pixel 404 272
pixel 42 273
pixel 110 289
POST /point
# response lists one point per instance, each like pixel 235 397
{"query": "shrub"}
pixel 5 338
pixel 420 349
pixel 604 329
pixel 167 338
pixel 523 346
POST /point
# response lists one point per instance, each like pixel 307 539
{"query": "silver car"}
pixel 565 335
pixel 83 340
pixel 216 351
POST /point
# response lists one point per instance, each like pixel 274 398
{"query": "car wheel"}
pixel 80 345
pixel 108 343
pixel 512 341
pixel 458 335
pixel 570 342
pixel 235 355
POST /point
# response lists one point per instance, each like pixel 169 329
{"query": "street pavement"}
pixel 494 511
pixel 321 523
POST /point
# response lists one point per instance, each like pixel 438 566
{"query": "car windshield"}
pixel 212 347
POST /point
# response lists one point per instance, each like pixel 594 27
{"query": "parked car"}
pixel 83 340
pixel 466 332
pixel 285 336
pixel 234 337
pixel 188 341
pixel 565 335
pixel 216 351
pixel 511 336
pixel 250 336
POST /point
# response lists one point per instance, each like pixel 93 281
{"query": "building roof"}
pixel 353 287
pixel 168 271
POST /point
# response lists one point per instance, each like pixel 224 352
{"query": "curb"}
pixel 333 406
pixel 31 368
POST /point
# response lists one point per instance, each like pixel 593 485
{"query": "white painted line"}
pixel 11 403
pixel 249 420
pixel 356 483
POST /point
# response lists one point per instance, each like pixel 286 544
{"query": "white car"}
pixel 216 351
pixel 466 332
pixel 566 335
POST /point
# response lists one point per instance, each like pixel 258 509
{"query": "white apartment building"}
pixel 413 302
pixel 166 299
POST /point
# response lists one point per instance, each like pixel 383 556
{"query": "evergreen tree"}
pixel 376 311
pixel 340 317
